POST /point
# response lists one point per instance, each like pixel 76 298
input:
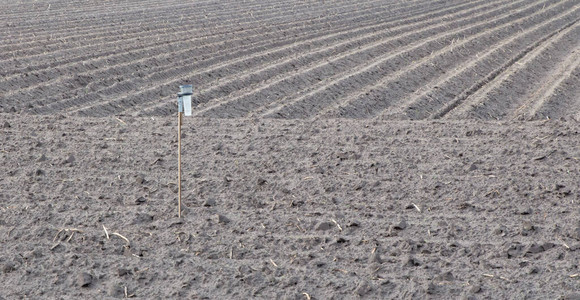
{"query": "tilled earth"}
pixel 288 209
pixel 338 149
pixel 368 59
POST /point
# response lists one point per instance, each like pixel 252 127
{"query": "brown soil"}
pixel 277 209
pixel 338 149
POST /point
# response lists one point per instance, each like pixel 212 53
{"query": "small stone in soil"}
pixel 500 230
pixel 575 233
pixel 261 181
pixel 574 247
pixel 535 248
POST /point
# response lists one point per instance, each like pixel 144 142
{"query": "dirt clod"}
pixel 571 296
pixel 8 267
pixel 123 271
pixel 363 288
pixel 84 279
pixel 209 203
pixel 69 159
pixel 139 179
pixel 375 257
pixel 140 200
pixel 115 291
pixel 401 224
pixel 220 219
pixel 323 226
pixel 411 262
pixel 475 289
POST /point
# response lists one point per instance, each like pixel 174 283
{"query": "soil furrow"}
pixel 345 61
pixel 352 82
pixel 93 66
pixel 385 96
pixel 564 103
pixel 128 103
pixel 218 15
pixel 333 38
pixel 178 34
pixel 145 52
pixel 420 101
pixel 137 27
pixel 280 69
pixel 476 94
pixel 547 92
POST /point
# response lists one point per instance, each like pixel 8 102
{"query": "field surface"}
pixel 337 149
pixel 294 59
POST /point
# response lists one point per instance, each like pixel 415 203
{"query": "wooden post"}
pixel 184 106
pixel 179 164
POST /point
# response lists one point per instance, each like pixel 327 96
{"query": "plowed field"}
pixel 337 149
pixel 376 59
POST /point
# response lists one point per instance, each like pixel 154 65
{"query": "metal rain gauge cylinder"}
pixel 184 101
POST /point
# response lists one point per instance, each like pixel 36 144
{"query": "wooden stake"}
pixel 184 105
pixel 179 114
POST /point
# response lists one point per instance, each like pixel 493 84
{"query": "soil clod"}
pixel 323 226
pixel 411 262
pixel 400 225
pixel 363 289
pixel 209 202
pixel 8 267
pixel 375 257
pixel 527 228
pixel 475 289
pixel 220 219
pixel 84 279
pixel 140 200
pixel 70 159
